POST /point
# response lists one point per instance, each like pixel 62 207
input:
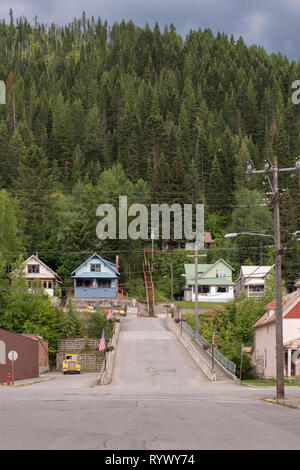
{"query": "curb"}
pixel 280 402
pixel 23 384
pixel 106 376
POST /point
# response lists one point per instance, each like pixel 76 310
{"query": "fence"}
pixel 89 361
pixel 218 356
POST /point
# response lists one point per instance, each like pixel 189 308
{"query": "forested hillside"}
pixel 96 111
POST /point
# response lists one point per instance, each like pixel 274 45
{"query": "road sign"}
pixel 12 355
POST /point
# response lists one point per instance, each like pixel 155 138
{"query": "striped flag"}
pixel 102 344
pixel 109 315
pixel 213 337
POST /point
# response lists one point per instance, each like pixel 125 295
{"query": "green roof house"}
pixel 214 282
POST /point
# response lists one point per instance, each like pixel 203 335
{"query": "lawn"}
pixel 271 382
pixel 190 304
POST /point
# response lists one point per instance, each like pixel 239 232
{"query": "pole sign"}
pixel 12 355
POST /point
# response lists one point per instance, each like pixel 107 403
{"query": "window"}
pixel 220 273
pixel 104 283
pixel 222 289
pixel 47 284
pixel 256 288
pixel 33 268
pixel 2 352
pixel 83 283
pixel 265 358
pixel 203 289
pixel 96 268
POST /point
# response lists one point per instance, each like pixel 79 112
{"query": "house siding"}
pixel 86 292
pixel 264 346
pixel 27 364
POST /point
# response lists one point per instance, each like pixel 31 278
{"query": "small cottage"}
pixel 252 281
pixel 38 274
pixel 96 278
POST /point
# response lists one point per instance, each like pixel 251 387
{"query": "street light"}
pixel 233 235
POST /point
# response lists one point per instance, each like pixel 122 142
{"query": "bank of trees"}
pixel 95 111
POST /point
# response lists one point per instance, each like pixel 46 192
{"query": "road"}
pixel 158 399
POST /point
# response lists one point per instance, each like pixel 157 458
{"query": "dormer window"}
pixel 33 268
pixel 220 273
pixel 95 267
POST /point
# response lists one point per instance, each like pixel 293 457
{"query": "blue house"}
pixel 96 277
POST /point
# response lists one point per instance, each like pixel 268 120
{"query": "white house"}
pixel 36 270
pixel 264 349
pixel 214 282
pixel 252 281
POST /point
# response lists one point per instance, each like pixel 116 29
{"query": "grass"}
pixel 190 304
pixel 270 382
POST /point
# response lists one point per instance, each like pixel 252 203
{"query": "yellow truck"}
pixel 71 364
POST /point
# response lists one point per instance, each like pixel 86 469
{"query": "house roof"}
pixel 253 275
pixel 255 271
pixel 95 275
pixel 208 238
pixel 202 270
pixel 295 342
pixel 95 255
pixel 290 309
pixel 36 258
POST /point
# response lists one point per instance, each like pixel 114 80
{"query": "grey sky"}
pixel 273 24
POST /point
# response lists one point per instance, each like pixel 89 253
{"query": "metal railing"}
pixel 218 356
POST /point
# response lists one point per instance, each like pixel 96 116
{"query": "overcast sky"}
pixel 273 24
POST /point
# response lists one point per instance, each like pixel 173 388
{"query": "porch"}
pixel 291 360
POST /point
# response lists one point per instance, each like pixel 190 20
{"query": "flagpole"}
pixel 212 351
pixel 181 320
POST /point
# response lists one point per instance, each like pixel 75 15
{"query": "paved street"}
pixel 158 399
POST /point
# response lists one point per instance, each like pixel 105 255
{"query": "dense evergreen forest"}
pixel 96 111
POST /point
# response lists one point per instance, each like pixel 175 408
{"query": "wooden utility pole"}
pixel 172 287
pixel 275 201
pixel 278 288
pixel 196 256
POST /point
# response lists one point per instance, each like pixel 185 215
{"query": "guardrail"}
pixel 218 356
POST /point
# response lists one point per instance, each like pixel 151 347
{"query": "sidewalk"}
pixel 20 383
pixel 293 402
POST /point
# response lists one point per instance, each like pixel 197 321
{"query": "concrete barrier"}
pixel 106 376
pixel 186 342
pixel 204 364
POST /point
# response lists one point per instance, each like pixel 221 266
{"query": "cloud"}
pixel 272 24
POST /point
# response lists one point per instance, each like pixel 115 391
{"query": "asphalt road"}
pixel 158 399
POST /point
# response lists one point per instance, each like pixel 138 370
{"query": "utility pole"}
pixel 196 256
pixel 278 288
pixel 275 201
pixel 172 287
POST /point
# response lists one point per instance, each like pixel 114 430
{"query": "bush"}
pixel 95 324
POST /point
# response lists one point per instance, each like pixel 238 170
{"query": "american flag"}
pixel 102 344
pixel 213 337
pixel 109 315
